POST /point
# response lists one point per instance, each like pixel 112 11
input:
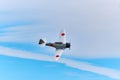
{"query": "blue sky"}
pixel 92 26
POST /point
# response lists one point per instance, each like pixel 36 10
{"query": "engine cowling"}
pixel 68 45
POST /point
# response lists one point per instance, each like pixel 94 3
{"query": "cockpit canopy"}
pixel 58 43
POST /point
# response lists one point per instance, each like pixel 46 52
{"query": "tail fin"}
pixel 42 42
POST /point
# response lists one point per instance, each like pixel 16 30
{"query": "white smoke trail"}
pixel 71 63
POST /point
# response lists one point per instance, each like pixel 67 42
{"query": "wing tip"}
pixel 57 57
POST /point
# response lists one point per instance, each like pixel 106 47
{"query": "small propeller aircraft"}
pixel 60 46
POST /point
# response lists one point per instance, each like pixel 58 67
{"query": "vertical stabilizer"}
pixel 42 42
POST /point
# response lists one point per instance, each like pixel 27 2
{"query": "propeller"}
pixel 70 45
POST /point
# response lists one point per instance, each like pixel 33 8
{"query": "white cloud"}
pixel 91 68
pixel 115 74
pixel 80 48
pixel 92 25
pixel 23 54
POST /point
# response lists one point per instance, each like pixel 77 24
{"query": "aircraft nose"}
pixel 68 45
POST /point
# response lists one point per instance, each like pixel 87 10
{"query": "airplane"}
pixel 60 46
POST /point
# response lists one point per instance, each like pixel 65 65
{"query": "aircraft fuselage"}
pixel 59 45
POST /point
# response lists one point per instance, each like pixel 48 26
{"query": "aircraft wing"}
pixel 58 54
pixel 63 36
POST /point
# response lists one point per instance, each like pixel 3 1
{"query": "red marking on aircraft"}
pixel 57 56
pixel 51 44
pixel 63 34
